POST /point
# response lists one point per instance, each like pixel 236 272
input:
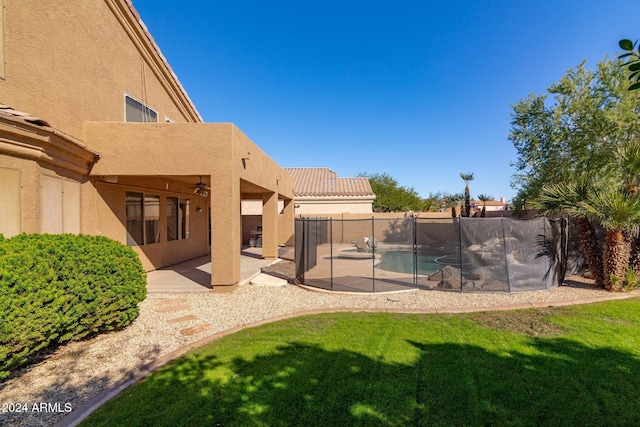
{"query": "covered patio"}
pixel 194 275
pixel 159 164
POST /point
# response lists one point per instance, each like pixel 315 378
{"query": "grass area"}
pixel 577 366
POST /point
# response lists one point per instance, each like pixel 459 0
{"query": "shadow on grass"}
pixel 63 387
pixel 560 382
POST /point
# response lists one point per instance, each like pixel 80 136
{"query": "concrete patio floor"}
pixel 194 275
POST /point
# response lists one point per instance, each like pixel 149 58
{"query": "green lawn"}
pixel 574 366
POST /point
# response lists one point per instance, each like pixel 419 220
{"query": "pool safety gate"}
pixel 456 254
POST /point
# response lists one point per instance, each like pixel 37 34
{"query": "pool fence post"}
pixel 460 249
pixel 415 251
pixel 331 249
pixel 373 252
pixel 506 260
pixel 305 243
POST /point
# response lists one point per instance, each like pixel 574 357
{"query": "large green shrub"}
pixel 58 288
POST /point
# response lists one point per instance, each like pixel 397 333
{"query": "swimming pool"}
pixel 428 261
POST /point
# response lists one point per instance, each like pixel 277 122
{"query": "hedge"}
pixel 59 288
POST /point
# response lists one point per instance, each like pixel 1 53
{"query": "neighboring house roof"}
pixel 323 182
pixel 488 203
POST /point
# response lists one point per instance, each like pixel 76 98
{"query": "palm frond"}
pixel 556 198
pixel 615 209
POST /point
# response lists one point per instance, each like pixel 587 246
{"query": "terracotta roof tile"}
pixel 9 111
pixel 323 182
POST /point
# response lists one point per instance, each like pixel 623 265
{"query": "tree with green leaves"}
pixel 433 202
pixel 632 55
pixel 572 128
pixel 390 196
pixel 580 155
pixel 467 177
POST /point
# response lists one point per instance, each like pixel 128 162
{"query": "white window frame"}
pixel 143 105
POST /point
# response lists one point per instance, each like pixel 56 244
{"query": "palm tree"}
pixel 431 202
pixel 628 156
pixel 617 210
pixel 484 198
pixel 566 198
pixel 452 201
pixel 467 177
pixel 619 214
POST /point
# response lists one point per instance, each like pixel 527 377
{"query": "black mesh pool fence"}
pixel 453 254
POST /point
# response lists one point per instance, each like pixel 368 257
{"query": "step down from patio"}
pixel 196 329
pixel 183 319
pixel 172 308
pixel 267 280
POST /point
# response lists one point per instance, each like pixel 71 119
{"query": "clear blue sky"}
pixel 421 90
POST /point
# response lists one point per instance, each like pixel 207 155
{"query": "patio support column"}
pixel 288 222
pixel 270 225
pixel 225 229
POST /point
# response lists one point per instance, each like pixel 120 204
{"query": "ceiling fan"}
pixel 201 189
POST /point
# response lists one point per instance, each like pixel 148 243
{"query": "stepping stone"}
pixel 196 329
pixel 267 280
pixel 172 308
pixel 183 319
pixel 172 301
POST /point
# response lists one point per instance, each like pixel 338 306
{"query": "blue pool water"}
pixel 428 262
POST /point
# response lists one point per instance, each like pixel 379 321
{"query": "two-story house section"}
pixel 98 136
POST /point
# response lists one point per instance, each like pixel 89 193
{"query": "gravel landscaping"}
pixel 68 378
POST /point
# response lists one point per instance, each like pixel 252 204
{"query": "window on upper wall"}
pixel 137 111
pixel 143 218
pixel 177 218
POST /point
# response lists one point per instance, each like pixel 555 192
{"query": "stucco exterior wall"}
pixel 38 163
pixel 112 219
pixel 226 159
pixel 216 149
pixel 332 207
pixel 71 61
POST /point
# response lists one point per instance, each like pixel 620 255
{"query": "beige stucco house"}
pixel 319 191
pixel 490 205
pixel 97 136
